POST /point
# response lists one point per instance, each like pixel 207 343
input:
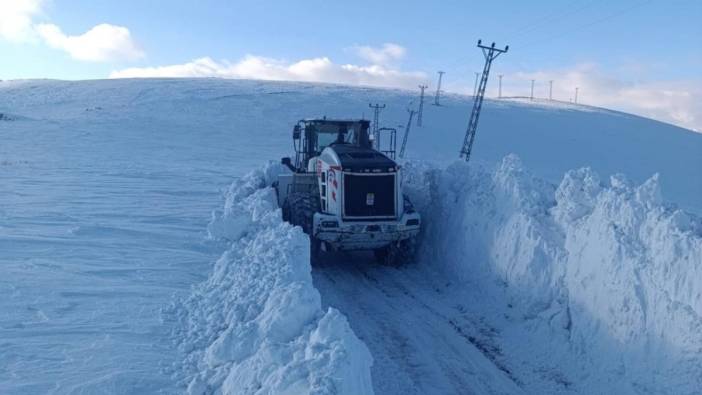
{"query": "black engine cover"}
pixel 369 195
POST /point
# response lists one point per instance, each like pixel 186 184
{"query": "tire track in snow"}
pixel 484 343
pixel 418 346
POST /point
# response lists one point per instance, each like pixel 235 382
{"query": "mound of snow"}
pixel 256 325
pixel 605 268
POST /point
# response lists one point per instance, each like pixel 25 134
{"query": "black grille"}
pixel 369 195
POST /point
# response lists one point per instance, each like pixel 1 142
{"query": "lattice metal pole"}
pixel 376 118
pixel 407 130
pixel 499 90
pixel 421 105
pixel 475 86
pixel 491 53
pixel 438 88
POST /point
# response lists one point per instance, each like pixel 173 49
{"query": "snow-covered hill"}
pixel 533 275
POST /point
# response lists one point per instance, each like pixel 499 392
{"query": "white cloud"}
pixel 16 19
pixel 384 55
pixel 103 42
pixel 255 67
pixel 676 102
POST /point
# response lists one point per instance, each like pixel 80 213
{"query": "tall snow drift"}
pixel 607 267
pixel 256 325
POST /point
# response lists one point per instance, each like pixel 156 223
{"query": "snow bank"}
pixel 605 266
pixel 256 325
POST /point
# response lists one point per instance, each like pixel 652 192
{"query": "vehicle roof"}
pixel 331 120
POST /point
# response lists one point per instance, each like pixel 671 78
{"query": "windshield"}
pixel 350 135
pixel 325 139
pixel 331 133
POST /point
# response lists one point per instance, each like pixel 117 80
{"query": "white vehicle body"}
pixel 343 228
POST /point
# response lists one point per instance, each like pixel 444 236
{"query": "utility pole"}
pixel 411 112
pixel 499 91
pixel 550 90
pixel 475 87
pixel 576 94
pixel 376 116
pixel 532 90
pixel 491 53
pixel 438 89
pixel 421 105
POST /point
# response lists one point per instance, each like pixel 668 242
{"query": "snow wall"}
pixel 607 271
pixel 256 325
pixel 607 268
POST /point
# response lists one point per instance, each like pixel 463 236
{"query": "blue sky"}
pixel 625 54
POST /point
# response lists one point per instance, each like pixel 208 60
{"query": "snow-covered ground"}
pixel 534 275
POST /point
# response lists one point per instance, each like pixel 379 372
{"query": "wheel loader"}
pixel 345 192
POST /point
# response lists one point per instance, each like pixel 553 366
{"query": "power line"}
pixel 542 21
pixel 586 25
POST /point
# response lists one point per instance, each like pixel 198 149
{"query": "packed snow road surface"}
pixel 421 339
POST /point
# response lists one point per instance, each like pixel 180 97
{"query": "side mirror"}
pixel 288 163
pixel 296 133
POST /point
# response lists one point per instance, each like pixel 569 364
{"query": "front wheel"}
pixel 381 254
pixel 315 250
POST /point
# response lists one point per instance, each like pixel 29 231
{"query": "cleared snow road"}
pixel 422 341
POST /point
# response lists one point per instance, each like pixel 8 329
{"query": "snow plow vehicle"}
pixel 346 194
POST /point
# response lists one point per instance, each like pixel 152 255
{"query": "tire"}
pixel 299 210
pixel 396 254
pixel 315 250
pixel 381 254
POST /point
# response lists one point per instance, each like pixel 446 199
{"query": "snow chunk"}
pixel 256 325
pixel 239 212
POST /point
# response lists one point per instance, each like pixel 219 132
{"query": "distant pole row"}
pixel 573 99
pixel 478 92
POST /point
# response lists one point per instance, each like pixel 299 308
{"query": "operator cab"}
pixel 312 136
